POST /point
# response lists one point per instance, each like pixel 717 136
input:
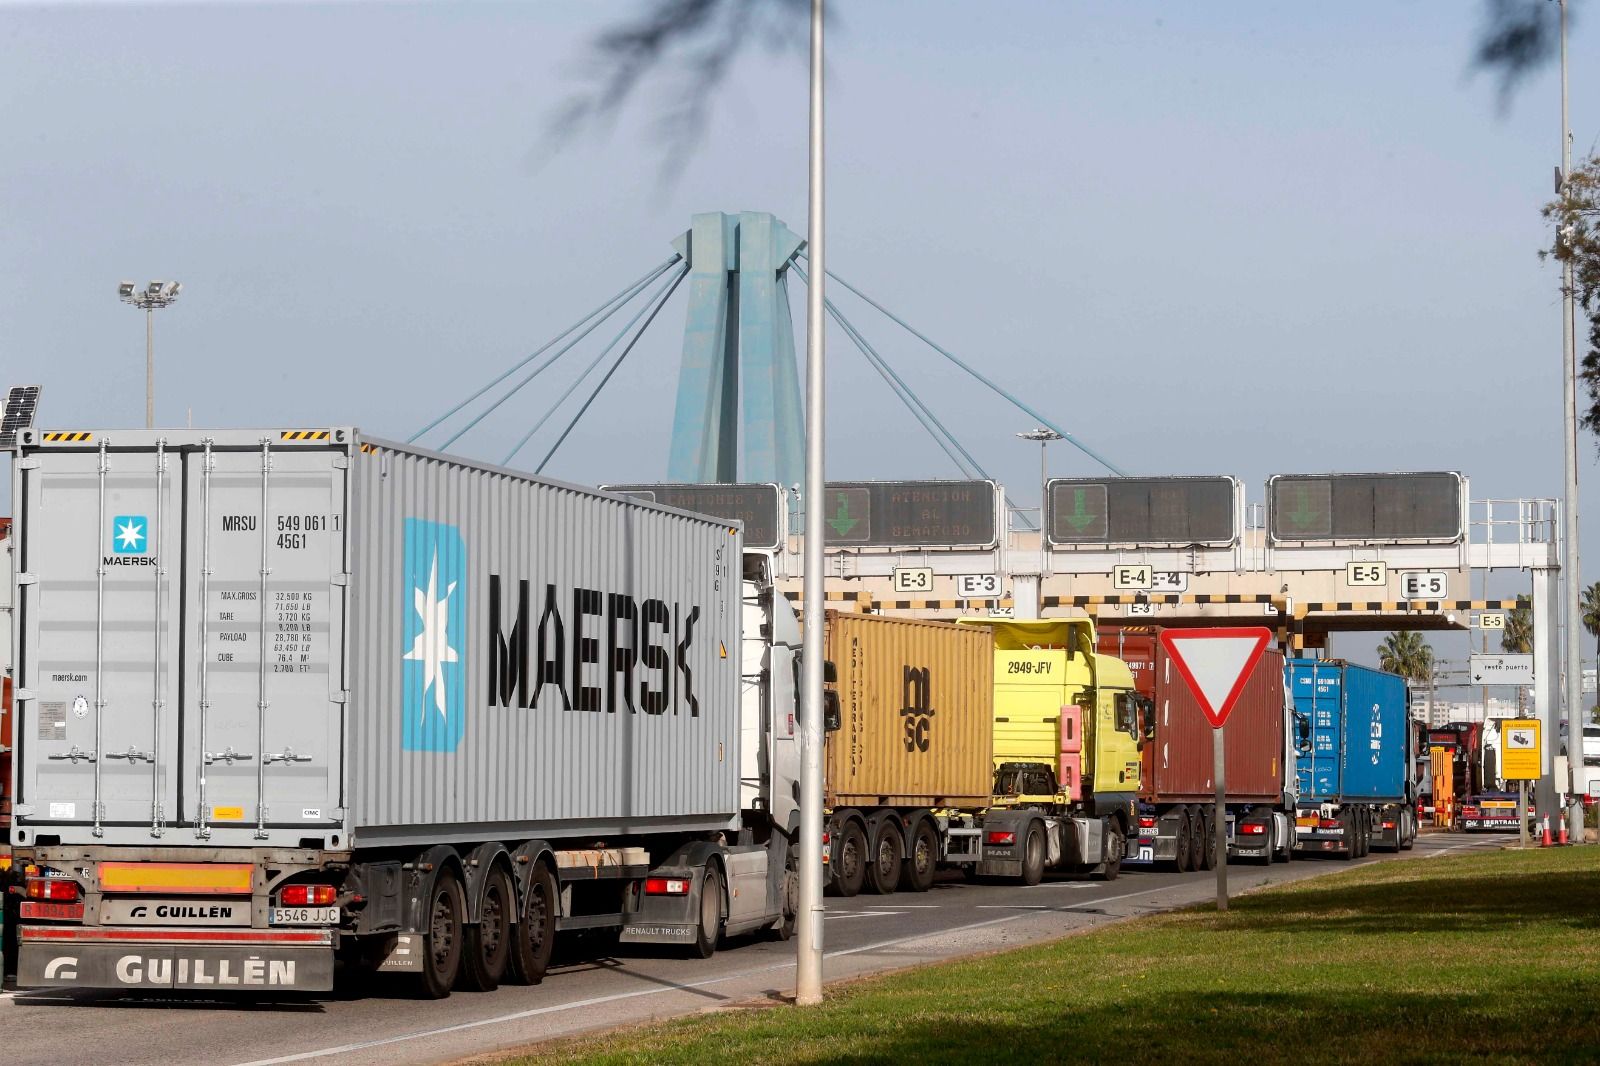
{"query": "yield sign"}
pixel 1216 663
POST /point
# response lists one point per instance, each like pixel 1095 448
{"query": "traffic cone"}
pixel 1546 842
pixel 1563 840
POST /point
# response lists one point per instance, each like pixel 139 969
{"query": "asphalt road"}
pixel 377 1023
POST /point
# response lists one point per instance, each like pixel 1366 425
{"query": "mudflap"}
pixel 188 966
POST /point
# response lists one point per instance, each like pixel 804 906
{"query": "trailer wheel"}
pixel 535 935
pixel 1207 826
pixel 710 929
pixel 883 872
pixel 1408 830
pixel 1183 856
pixel 1033 855
pixel 784 928
pixel 923 861
pixel 850 864
pixel 1197 839
pixel 1116 848
pixel 1348 823
pixel 486 946
pixel 441 939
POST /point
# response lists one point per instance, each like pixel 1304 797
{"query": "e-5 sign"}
pixel 1364 574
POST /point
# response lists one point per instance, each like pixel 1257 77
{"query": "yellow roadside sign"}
pixel 1519 745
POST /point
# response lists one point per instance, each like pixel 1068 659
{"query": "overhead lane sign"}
pixel 1216 663
pixel 759 507
pixel 1142 511
pixel 1365 507
pixel 932 514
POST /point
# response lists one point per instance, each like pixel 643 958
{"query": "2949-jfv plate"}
pixel 304 916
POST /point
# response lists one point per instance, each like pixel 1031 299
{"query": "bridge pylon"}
pixel 738 378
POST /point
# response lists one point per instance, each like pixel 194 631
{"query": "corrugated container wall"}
pixel 1353 721
pixel 916 707
pixel 601 654
pixel 1178 754
pixel 298 635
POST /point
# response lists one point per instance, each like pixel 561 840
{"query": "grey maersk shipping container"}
pixel 306 638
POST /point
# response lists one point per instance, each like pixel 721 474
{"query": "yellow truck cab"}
pixel 1066 752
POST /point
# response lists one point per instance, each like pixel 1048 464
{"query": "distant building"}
pixel 1444 711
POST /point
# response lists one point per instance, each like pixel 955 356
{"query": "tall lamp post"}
pixel 1044 437
pixel 155 295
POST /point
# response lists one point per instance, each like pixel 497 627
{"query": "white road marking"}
pixel 345 1049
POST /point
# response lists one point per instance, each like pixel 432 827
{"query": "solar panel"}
pixel 21 403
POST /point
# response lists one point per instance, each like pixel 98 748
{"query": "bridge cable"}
pixel 971 467
pixel 1068 437
pixel 623 332
pixel 613 304
pixel 614 367
pixel 942 436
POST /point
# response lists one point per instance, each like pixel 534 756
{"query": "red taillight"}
pixel 827 838
pixel 1330 823
pixel 308 895
pixel 52 888
pixel 1388 825
pixel 1470 812
pixel 666 886
pixel 999 838
pixel 1147 823
pixel 1253 828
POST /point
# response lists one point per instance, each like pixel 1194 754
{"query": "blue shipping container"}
pixel 1352 730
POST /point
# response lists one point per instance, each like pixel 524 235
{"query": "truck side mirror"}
pixel 831 718
pixel 1147 719
pixel 830 673
pixel 1302 733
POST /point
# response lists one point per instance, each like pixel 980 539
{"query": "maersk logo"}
pixel 434 698
pixel 130 534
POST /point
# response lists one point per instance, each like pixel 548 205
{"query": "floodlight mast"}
pixel 149 298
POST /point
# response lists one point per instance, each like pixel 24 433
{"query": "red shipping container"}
pixel 1177 752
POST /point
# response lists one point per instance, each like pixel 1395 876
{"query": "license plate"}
pixel 305 916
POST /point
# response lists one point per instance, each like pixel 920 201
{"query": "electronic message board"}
pixel 1140 510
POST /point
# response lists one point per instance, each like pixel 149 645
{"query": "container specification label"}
pixel 293 615
pixel 296 630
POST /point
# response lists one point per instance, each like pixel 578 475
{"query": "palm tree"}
pixel 1407 654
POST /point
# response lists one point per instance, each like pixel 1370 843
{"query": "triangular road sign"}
pixel 1215 663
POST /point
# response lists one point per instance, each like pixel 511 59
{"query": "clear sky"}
pixel 1207 238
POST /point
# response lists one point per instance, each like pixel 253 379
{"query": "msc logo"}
pixel 433 685
pixel 130 534
pixel 915 707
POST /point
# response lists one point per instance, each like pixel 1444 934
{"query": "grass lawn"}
pixel 1482 958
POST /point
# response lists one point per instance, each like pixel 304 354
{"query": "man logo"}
pixel 434 594
pixel 64 968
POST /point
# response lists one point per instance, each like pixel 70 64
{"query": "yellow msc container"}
pixel 916 705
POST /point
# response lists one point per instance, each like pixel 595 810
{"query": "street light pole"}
pixel 1044 437
pixel 809 910
pixel 1571 570
pixel 148 299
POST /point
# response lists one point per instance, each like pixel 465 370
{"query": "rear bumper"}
pixel 198 960
pixel 1320 840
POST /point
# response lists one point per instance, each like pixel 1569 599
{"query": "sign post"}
pixel 1519 746
pixel 1215 664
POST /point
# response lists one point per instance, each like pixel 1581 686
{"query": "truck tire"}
pixel 1408 830
pixel 710 927
pixel 1033 855
pixel 923 861
pixel 1197 839
pixel 535 933
pixel 789 915
pixel 1184 852
pixel 850 864
pixel 883 872
pixel 444 919
pixel 1208 833
pixel 1116 848
pixel 1348 823
pixel 486 946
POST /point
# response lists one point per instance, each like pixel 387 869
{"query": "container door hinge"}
pixel 23 695
pixel 340 580
pixel 341 462
pixel 27 464
pixel 24 810
pixel 340 814
pixel 342 696
pixel 27 579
